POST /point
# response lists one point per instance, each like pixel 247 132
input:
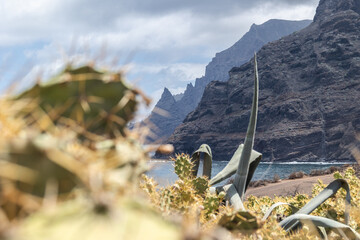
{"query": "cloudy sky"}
pixel 158 42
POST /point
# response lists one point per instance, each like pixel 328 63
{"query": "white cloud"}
pixel 175 91
pixel 268 10
pixel 152 78
pixel 147 26
pixel 185 72
pixel 172 40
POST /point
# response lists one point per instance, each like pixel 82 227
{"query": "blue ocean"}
pixel 163 171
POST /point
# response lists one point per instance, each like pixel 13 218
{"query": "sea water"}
pixel 163 171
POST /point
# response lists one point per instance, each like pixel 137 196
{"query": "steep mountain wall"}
pixel 217 69
pixel 309 95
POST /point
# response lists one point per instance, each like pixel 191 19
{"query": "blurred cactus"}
pixel 99 102
pixel 64 140
pixel 240 221
pixel 80 220
pixel 36 160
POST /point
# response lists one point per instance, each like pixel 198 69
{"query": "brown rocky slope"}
pixel 309 95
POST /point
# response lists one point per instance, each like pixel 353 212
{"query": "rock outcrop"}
pixel 218 69
pixel 309 95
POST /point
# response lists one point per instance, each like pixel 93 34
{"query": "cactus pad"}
pixel 100 102
pixel 183 166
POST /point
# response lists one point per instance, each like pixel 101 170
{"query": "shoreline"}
pixel 335 162
pixel 300 185
pixel 295 182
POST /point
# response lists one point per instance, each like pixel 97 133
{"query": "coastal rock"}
pixel 309 95
pixel 218 69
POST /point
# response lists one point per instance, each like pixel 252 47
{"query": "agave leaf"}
pixel 241 175
pixel 233 164
pixel 195 158
pixel 323 233
pixel 234 198
pixel 231 195
pixel 272 208
pixel 340 228
pixel 328 192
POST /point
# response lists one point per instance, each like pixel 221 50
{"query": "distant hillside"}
pixel 217 69
pixel 309 95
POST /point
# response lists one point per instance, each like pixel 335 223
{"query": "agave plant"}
pixel 243 164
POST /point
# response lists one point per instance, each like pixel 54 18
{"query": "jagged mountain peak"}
pixel 189 86
pixel 327 8
pixel 166 92
pixel 218 69
pixel 166 100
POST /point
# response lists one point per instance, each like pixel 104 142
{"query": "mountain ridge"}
pixel 309 88
pixel 217 69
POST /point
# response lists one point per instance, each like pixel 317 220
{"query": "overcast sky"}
pixel 161 42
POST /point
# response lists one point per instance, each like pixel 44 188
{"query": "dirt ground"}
pixel 289 187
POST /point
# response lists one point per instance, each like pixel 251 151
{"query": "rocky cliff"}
pixel 218 69
pixel 309 95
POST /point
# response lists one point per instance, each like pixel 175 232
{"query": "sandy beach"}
pixel 289 187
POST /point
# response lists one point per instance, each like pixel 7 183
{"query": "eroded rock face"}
pixel 163 117
pixel 217 69
pixel 309 95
